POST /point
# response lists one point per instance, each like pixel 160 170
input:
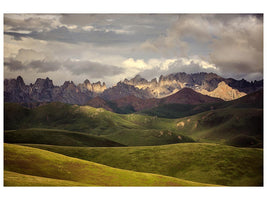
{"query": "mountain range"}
pixel 138 93
pixel 43 90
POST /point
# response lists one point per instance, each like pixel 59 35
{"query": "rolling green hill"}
pixel 233 126
pixel 17 179
pixel 29 163
pixel 179 110
pixel 206 163
pixel 56 137
pixel 129 129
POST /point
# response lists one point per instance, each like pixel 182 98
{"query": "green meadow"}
pixel 35 167
pixel 200 162
pixel 69 145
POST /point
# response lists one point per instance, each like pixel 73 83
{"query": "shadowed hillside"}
pixel 57 137
pixel 124 129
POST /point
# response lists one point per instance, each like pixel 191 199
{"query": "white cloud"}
pixel 138 64
pixel 195 60
pixel 156 67
pixel 87 28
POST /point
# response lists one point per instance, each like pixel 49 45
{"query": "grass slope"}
pixel 206 163
pixel 17 179
pixel 129 129
pixel 235 126
pixel 175 110
pixel 56 137
pixel 41 163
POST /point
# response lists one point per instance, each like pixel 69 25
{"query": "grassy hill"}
pixel 129 129
pixel 178 110
pixel 206 163
pixel 17 179
pixel 39 167
pixel 56 137
pixel 233 126
pixel 230 125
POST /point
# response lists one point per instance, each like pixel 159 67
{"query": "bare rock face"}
pixel 43 90
pixel 172 83
pixel 94 87
pixel 15 90
pixel 124 90
pixel 98 87
pixel 202 82
pixel 224 91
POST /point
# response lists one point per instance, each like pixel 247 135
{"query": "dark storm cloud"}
pixel 41 66
pixel 44 66
pixel 234 42
pixel 14 65
pixel 92 69
pixel 106 28
pixel 140 26
pixel 239 46
pixel 63 34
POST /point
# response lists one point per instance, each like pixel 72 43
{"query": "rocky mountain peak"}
pixel 224 92
pixel 68 84
pixel 20 81
pixel 122 90
pixel 43 90
pixel 138 80
pixel 160 78
pixel 86 82
pixel 98 87
pixel 154 80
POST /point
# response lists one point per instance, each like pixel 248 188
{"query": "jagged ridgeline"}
pixel 43 90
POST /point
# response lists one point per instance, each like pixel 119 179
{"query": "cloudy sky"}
pixel 111 47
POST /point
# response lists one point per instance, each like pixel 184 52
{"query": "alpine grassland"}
pixel 35 167
pixel 200 162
